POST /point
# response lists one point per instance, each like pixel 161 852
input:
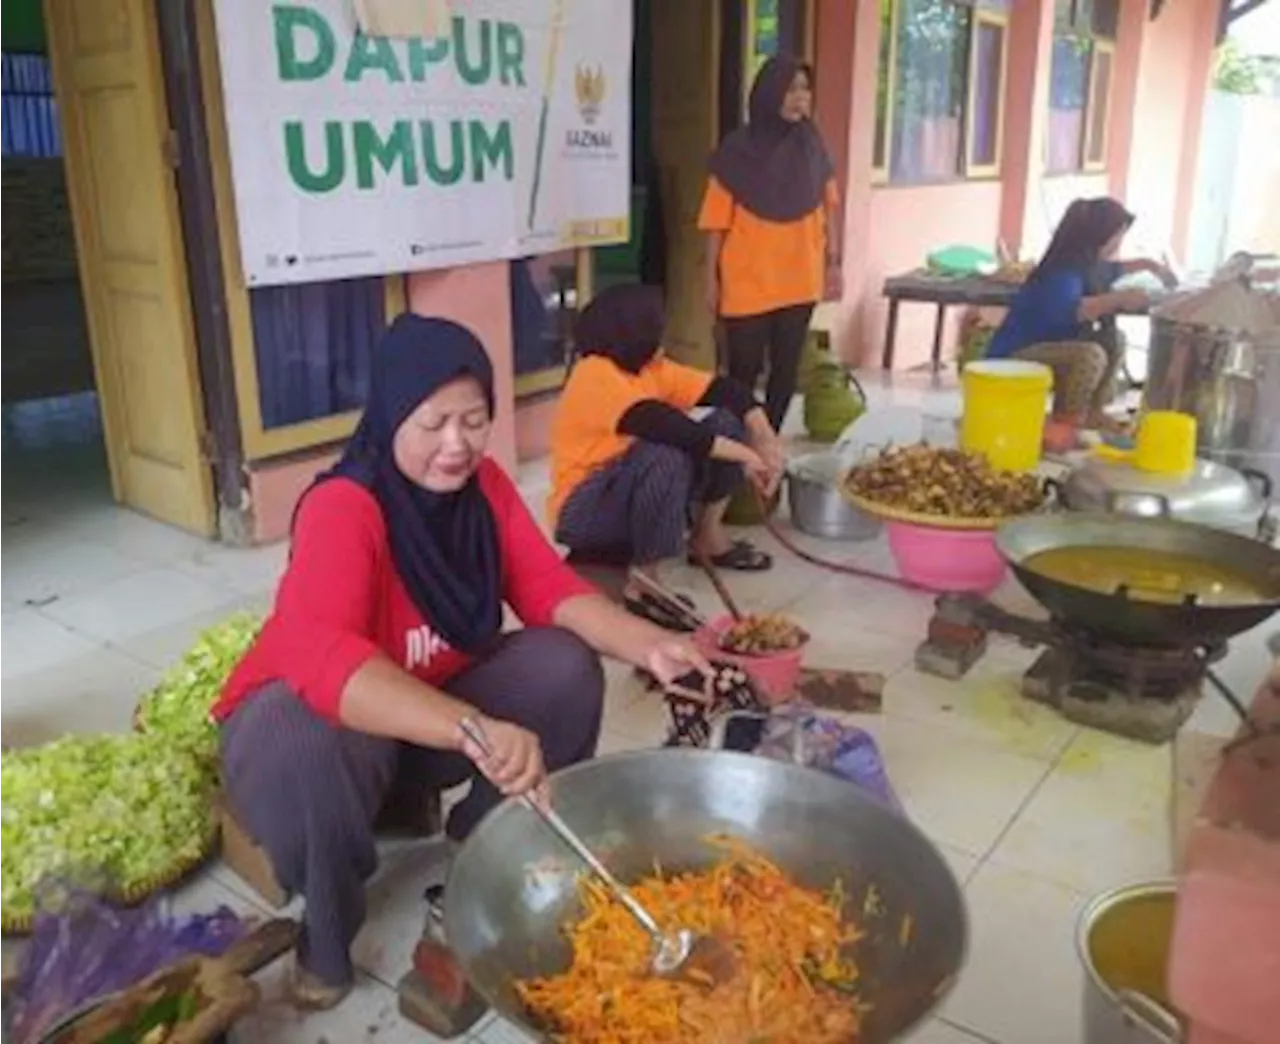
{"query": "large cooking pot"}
pixel 1209 495
pixel 818 507
pixel 513 886
pixel 1123 939
pixel 1119 618
pixel 1228 379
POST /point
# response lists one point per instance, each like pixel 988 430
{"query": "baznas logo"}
pixel 590 87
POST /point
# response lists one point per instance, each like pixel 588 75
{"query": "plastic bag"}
pixel 795 732
pixel 82 949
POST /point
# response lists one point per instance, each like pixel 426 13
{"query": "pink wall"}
pixel 905 223
pixel 1172 77
pixel 477 296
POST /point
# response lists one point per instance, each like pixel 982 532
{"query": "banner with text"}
pixel 507 135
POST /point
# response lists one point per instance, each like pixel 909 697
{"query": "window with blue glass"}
pixel 312 345
pixel 30 118
pixel 544 305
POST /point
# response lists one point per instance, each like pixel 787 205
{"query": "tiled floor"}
pixel 1033 813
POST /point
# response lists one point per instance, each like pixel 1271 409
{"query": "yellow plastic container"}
pixel 1166 443
pixel 1005 402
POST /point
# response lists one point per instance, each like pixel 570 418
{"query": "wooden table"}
pixel 941 291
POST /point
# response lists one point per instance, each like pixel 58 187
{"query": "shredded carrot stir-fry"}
pixel 793 981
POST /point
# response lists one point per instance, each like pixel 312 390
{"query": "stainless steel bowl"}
pixel 817 506
pixel 513 887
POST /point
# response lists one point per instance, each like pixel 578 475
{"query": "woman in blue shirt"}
pixel 1054 318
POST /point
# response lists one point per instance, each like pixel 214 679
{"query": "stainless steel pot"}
pixel 1229 381
pixel 1116 1009
pixel 513 886
pixel 1211 495
pixel 817 506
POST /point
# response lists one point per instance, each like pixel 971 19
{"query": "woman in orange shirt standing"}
pixel 770 214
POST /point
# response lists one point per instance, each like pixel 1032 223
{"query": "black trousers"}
pixel 778 336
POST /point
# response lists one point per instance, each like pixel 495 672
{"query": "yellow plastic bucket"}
pixel 1005 402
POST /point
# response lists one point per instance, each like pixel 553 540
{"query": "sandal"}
pixel 742 557
pixel 310 993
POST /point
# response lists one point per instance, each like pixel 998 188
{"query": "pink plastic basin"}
pixel 775 674
pixel 946 559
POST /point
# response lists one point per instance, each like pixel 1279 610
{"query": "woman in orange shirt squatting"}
pixel 770 214
pixel 633 474
pixel 385 650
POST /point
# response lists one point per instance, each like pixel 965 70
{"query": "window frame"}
pixel 1000 20
pixel 1081 24
pixel 551 378
pixel 969 170
pixel 1098 45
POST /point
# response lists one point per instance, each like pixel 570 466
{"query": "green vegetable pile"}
pixel 129 807
pixel 178 707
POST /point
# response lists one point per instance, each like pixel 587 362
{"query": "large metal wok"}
pixel 513 887
pixel 1118 617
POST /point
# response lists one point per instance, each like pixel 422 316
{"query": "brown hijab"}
pixel 773 167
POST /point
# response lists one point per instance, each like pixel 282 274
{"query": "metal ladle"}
pixel 703 959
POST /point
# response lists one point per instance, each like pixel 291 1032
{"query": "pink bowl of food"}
pixel 774 670
pixel 940 559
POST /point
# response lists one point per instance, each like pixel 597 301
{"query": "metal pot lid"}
pixel 1211 494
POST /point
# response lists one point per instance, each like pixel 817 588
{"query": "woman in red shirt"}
pixel 386 638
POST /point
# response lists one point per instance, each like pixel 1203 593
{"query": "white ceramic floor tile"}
pixel 495 1030
pixel 93 692
pixel 986 706
pixel 958 792
pixel 370 1015
pixel 937 1031
pixel 1101 818
pixel 39 572
pixel 961 863
pixel 206 893
pixel 837 641
pixel 1246 665
pixel 1021 982
pixel 139 603
pixel 252 570
pixel 864 606
pixel 33 642
pixel 165 645
pixel 397 911
pixel 754 592
pixel 134 534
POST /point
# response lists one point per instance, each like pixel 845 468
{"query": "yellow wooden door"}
pixel 117 143
pixel 685 72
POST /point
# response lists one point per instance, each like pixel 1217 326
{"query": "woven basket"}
pixel 21 924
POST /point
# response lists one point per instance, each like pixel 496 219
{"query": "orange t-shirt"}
pixel 766 265
pixel 584 434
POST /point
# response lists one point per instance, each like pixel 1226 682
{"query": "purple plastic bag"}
pixel 795 732
pixel 83 948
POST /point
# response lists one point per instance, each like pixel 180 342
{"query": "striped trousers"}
pixel 643 502
pixel 308 791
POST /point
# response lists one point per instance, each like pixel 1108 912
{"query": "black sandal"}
pixel 742 557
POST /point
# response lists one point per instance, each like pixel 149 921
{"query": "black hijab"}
pixel 775 168
pixel 1086 227
pixel 445 545
pixel 624 324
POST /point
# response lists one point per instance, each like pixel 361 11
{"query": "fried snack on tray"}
pixel 946 483
pixel 761 634
pixel 794 981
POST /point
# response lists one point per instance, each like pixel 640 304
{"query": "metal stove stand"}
pixel 1143 692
